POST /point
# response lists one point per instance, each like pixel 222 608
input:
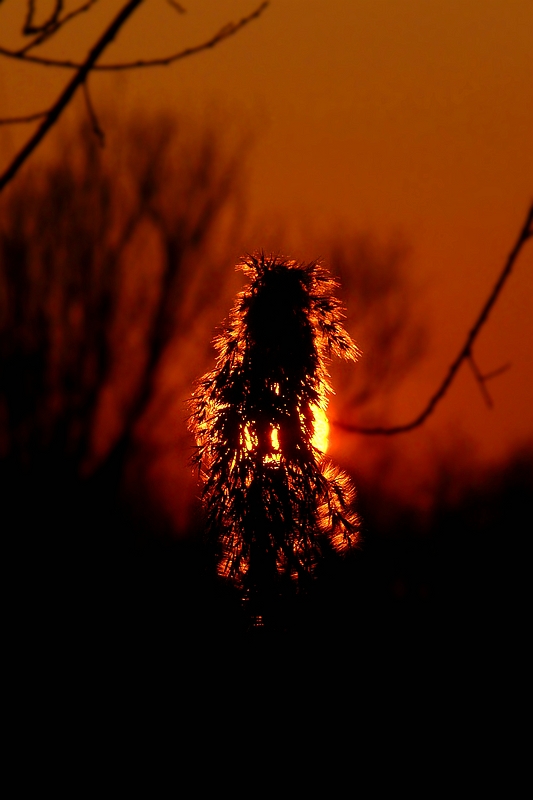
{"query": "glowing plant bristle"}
pixel 320 437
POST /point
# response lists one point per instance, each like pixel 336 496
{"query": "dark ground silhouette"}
pixel 82 573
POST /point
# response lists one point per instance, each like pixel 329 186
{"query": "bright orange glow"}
pixel 274 458
pixel 248 441
pixel 320 438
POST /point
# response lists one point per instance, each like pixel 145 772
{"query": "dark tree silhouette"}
pixel 272 498
pixel 103 263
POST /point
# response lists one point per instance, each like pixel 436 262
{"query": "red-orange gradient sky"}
pixel 388 117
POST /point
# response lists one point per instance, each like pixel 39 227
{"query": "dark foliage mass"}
pixel 96 282
pixel 271 496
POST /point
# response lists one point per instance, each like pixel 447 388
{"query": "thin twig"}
pixel 177 6
pixel 65 97
pixel 20 120
pixel 526 233
pixel 495 372
pixel 480 379
pixel 228 30
pixel 29 28
pixel 97 130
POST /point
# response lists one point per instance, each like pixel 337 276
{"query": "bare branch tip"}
pixel 525 233
pixel 97 130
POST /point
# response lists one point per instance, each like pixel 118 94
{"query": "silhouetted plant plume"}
pixel 273 499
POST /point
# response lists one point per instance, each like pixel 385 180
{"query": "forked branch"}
pixel 465 353
pixel 50 26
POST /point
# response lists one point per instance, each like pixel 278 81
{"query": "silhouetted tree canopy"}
pixel 103 262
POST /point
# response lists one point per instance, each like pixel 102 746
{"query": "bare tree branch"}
pixel 228 30
pixel 63 100
pixel 465 353
pixel 83 69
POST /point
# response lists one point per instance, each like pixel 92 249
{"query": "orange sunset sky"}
pixel 391 118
